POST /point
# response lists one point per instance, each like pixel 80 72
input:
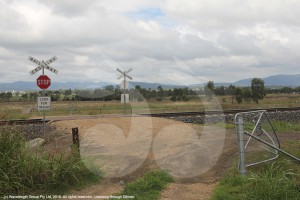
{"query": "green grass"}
pixel 274 180
pixel 230 188
pixel 279 126
pixel 25 172
pixel 286 127
pixel 16 110
pixel 149 186
pixel 267 182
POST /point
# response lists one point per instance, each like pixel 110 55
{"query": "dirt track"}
pixel 126 148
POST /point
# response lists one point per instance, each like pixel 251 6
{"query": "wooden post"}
pixel 75 136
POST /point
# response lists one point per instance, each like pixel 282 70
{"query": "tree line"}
pixel 255 92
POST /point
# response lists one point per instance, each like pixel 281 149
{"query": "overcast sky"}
pixel 166 41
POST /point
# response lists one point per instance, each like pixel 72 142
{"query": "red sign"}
pixel 43 82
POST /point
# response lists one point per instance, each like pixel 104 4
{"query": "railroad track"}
pixel 22 121
pixel 218 112
pixel 39 121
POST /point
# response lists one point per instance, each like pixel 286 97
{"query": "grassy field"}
pixel 24 110
pixel 276 180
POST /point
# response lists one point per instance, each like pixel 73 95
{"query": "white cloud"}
pixel 163 40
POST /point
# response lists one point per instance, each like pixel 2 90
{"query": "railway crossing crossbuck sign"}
pixel 124 84
pixel 43 65
pixel 43 82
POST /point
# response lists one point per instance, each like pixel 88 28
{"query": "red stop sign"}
pixel 43 82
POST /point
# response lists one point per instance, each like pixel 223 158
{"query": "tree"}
pixel 33 96
pixel 153 94
pixel 110 88
pixel 220 90
pixel 238 95
pixel 160 93
pixel 209 89
pixel 8 96
pixel 2 96
pixel 100 94
pixel 24 96
pixel 258 89
pixel 138 88
pixel 247 94
pixel 68 92
pixel 231 91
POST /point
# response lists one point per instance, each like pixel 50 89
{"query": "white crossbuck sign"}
pixel 124 73
pixel 42 65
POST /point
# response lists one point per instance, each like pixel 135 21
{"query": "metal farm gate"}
pixel 257 139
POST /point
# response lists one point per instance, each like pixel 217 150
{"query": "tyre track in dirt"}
pixel 192 187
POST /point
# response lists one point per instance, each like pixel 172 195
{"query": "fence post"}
pixel 75 136
pixel 240 133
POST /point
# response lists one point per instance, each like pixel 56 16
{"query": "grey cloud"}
pixel 227 40
pixel 70 8
pixel 166 48
pixel 227 14
pixel 238 44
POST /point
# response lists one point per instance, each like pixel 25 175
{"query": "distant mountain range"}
pixel 271 81
pixel 276 81
pixel 30 86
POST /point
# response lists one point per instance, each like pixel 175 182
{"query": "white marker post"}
pixel 43 101
pixel 124 85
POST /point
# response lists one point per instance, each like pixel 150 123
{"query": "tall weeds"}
pixel 273 183
pixel 24 172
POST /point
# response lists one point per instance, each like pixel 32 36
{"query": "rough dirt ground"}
pixel 126 148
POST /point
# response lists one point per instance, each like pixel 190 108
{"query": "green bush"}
pixel 22 172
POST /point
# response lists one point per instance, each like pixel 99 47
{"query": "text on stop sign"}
pixel 43 82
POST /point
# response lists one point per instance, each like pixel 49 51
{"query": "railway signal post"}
pixel 124 86
pixel 43 82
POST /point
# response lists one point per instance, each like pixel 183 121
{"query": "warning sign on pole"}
pixel 44 103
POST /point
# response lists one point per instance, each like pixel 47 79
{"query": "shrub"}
pixel 22 172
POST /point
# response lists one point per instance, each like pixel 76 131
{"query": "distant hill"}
pixel 201 85
pixel 31 86
pixel 271 81
pixel 154 85
pixel 18 86
pixel 276 80
pixel 283 80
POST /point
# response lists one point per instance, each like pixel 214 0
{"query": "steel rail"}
pixel 175 114
pixel 22 121
pixel 218 112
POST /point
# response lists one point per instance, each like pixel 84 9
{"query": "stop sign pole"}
pixel 41 66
